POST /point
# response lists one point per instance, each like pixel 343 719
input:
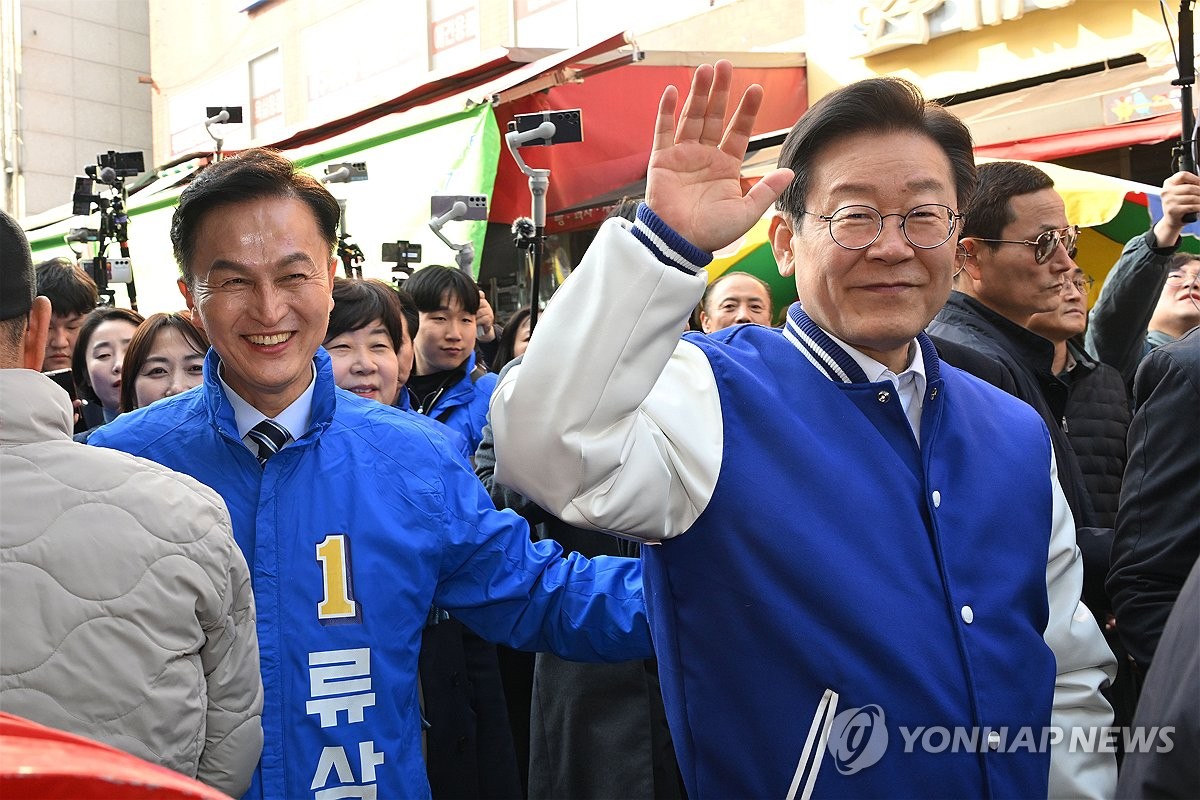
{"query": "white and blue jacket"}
pixel 824 590
pixel 351 534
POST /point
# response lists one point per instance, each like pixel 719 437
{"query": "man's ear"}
pixel 333 264
pixel 190 299
pixel 781 234
pixel 968 257
pixel 705 322
pixel 37 331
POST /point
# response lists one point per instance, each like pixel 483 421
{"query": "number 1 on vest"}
pixel 333 554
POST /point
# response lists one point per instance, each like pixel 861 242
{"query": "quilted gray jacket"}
pixel 125 606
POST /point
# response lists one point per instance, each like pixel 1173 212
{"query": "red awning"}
pixel 1072 143
pixel 508 67
pixel 619 108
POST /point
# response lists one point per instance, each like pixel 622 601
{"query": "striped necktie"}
pixel 270 437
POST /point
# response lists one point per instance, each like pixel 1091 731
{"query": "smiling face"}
pixel 172 366
pixel 1008 279
pixel 878 298
pixel 262 292
pixel 105 352
pixel 366 362
pixel 445 337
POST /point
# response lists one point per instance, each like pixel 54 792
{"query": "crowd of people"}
pixel 309 526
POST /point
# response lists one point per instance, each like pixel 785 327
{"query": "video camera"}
pixel 111 169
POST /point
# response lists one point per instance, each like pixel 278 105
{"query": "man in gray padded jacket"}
pixel 125 606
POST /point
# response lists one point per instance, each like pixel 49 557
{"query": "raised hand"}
pixel 1180 195
pixel 694 179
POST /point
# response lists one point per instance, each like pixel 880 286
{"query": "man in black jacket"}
pixel 1158 527
pixel 1018 250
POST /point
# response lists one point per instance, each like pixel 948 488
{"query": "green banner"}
pixel 455 154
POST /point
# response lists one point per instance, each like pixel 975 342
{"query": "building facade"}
pixel 75 82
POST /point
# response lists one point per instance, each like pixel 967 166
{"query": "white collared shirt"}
pixel 295 418
pixel 910 384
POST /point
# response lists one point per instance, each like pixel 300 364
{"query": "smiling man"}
pixel 354 518
pixel 856 539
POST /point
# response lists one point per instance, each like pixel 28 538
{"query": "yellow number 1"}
pixel 334 555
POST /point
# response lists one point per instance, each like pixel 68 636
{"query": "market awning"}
pixel 1118 107
pixel 513 66
pixel 619 110
pixel 1071 143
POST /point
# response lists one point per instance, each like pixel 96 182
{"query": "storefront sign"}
pixel 889 24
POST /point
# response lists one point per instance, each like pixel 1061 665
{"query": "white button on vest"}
pixel 968 615
pixel 993 740
pixel 937 498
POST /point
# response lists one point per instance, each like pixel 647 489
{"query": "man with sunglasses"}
pixel 1017 249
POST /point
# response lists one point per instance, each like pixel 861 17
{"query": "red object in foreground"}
pixel 41 762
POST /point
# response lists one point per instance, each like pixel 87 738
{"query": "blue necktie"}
pixel 270 437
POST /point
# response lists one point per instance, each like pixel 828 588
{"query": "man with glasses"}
pixel 1017 252
pixel 856 540
pixel 1151 295
pixel 1096 415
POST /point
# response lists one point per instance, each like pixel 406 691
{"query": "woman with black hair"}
pixel 98 359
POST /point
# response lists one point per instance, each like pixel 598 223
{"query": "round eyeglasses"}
pixel 857 227
pixel 1045 244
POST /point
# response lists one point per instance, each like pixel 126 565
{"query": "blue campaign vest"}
pixel 823 562
pixel 371 505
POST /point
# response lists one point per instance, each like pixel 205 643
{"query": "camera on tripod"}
pixel 111 169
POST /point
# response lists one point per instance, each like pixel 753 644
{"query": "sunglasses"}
pixel 1045 244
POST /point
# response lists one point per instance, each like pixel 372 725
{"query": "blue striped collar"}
pixel 828 356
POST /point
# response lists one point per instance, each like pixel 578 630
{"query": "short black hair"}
pixel 79 370
pixel 256 173
pixel 358 302
pixel 879 106
pixel 69 289
pixel 430 285
pixel 990 210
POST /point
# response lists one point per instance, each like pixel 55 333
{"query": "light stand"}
pixel 351 254
pixel 470 207
pixel 1187 77
pixel 539 184
pixel 111 169
pixel 219 115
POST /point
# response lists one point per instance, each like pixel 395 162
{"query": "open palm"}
pixel 694 178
